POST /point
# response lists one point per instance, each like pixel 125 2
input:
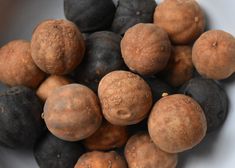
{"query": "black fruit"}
pixel 51 152
pixel 135 128
pixel 212 98
pixel 3 87
pixel 20 117
pixel 131 12
pixel 102 56
pixel 90 15
pixel 158 87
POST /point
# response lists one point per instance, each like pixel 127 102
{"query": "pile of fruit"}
pixel 137 76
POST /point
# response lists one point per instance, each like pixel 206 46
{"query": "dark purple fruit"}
pixel 131 12
pixel 90 15
pixel 212 98
pixel 20 117
pixel 158 87
pixel 102 56
pixel 51 152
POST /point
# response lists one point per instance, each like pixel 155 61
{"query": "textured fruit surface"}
pixel 146 48
pixel 72 112
pixel 107 137
pixel 183 20
pixel 125 97
pixel 51 83
pixel 177 123
pixel 98 159
pixel 180 66
pixel 214 54
pixel 140 151
pixel 17 66
pixel 57 46
pixel 212 98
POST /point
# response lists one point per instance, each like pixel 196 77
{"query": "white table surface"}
pixel 19 17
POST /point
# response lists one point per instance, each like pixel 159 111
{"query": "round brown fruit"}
pixel 107 137
pixel 72 112
pixel 214 54
pixel 51 83
pixel 180 66
pixel 140 151
pixel 97 159
pixel 125 97
pixel 146 48
pixel 177 123
pixel 183 20
pixel 17 66
pixel 57 46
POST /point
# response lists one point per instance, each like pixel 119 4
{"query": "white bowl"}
pixel 17 20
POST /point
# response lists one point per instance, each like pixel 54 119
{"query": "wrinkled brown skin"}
pixel 98 159
pixel 177 123
pixel 57 46
pixel 183 20
pixel 17 66
pixel 140 151
pixel 107 137
pixel 125 97
pixel 146 48
pixel 72 112
pixel 180 66
pixel 51 83
pixel 214 54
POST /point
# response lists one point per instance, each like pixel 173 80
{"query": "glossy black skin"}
pixel 131 12
pixel 158 87
pixel 103 55
pixel 51 152
pixel 90 15
pixel 20 117
pixel 212 98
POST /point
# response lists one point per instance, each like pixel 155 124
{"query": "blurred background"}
pixel 19 17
